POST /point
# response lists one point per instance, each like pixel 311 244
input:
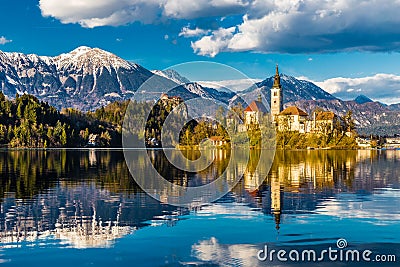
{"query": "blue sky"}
pixel 349 47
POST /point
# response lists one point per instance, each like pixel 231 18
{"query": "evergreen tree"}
pixel 20 110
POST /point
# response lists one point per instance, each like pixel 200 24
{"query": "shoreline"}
pixel 180 149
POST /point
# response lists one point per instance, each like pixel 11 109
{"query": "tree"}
pixel 105 138
pixel 238 110
pixel 349 121
pixel 49 133
pixel 3 133
pixel 63 137
pixel 20 109
pixel 10 133
pixel 30 113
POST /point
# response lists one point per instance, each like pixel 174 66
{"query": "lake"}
pixel 83 208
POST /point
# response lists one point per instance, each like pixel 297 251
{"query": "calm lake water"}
pixel 82 208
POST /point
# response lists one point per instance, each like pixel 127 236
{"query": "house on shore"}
pixel 218 141
pixel 93 140
pixel 364 142
pixel 392 143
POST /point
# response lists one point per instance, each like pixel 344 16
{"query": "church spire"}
pixel 277 79
pixel 276 96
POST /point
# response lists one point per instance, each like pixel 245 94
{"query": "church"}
pixel 291 118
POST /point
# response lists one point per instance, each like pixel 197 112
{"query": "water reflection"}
pixel 83 198
pixel 88 199
pixel 310 181
pixel 226 255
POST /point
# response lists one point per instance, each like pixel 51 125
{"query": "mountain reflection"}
pixel 83 198
pixel 87 198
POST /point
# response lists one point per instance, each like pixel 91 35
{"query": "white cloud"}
pixel 294 26
pixel 190 9
pixel 284 26
pixel 381 87
pixel 365 210
pixel 4 40
pixel 187 32
pixel 95 13
pixel 211 251
pixel 212 45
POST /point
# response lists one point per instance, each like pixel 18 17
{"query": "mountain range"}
pixel 370 117
pixel 88 78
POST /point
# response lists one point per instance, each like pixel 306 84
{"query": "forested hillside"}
pixel 28 122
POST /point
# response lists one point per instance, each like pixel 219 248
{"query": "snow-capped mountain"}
pixel 172 75
pixel 370 117
pixel 188 89
pixel 85 78
pixel 229 85
pixel 293 89
pixel 193 89
pixel 20 73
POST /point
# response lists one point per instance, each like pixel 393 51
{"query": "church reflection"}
pixel 299 180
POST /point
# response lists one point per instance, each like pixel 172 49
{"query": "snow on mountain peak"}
pixel 91 59
pixel 197 89
pixel 172 75
pixel 81 49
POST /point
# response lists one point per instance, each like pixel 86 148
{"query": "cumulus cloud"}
pixel 95 13
pixel 211 251
pixel 4 40
pixel 211 45
pixel 294 26
pixel 187 32
pixel 191 9
pixel 380 87
pixel 284 26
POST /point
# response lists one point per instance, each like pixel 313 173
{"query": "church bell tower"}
pixel 276 96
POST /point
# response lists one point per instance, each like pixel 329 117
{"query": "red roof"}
pixel 256 106
pixel 216 138
pixel 293 111
pixel 325 115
